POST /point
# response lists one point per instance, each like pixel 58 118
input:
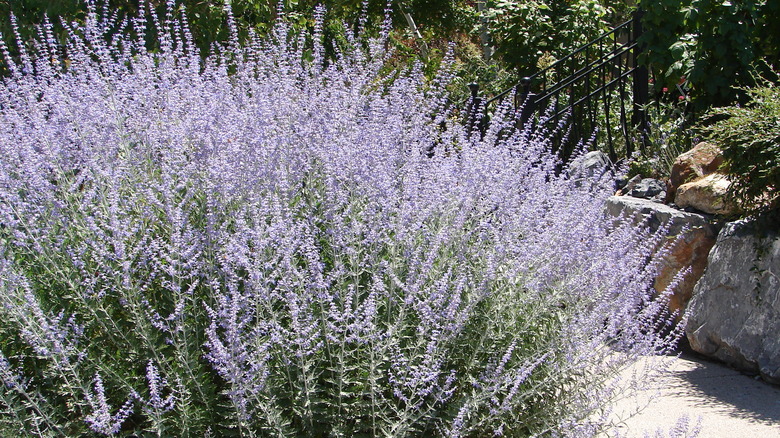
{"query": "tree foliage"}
pixel 717 45
pixel 529 31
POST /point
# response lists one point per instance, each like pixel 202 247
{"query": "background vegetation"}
pixel 521 33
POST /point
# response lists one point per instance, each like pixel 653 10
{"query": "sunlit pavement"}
pixel 728 403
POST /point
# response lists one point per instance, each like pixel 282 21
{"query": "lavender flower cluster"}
pixel 263 242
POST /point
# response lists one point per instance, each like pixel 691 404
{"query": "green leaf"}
pixel 678 49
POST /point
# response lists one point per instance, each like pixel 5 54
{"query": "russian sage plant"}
pixel 262 243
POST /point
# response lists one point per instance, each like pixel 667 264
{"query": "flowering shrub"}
pixel 256 245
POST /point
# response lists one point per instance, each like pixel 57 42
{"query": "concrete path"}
pixel 729 404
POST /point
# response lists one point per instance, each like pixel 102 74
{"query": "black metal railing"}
pixel 601 88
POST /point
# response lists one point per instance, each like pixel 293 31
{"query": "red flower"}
pixel 665 90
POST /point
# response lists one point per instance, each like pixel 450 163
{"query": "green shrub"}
pixel 750 139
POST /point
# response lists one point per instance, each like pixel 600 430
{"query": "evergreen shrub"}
pixel 750 138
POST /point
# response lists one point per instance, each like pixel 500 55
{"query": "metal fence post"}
pixel 474 108
pixel 527 102
pixel 640 86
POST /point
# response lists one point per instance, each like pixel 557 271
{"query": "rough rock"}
pixel 702 160
pixel 696 234
pixel 706 194
pixel 649 188
pixel 591 165
pixel 629 185
pixel 735 310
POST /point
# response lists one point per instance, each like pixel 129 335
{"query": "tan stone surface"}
pixel 689 252
pixel 696 233
pixel 703 159
pixel 706 194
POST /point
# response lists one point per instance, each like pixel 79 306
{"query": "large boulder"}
pixel 735 310
pixel 692 236
pixel 706 194
pixel 702 160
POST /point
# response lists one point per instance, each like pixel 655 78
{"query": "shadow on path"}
pixel 716 387
pixel 728 403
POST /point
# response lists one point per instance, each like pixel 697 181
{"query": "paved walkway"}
pixel 730 404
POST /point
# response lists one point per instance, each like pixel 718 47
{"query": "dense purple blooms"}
pixel 261 243
pixel 101 420
pixel 157 404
